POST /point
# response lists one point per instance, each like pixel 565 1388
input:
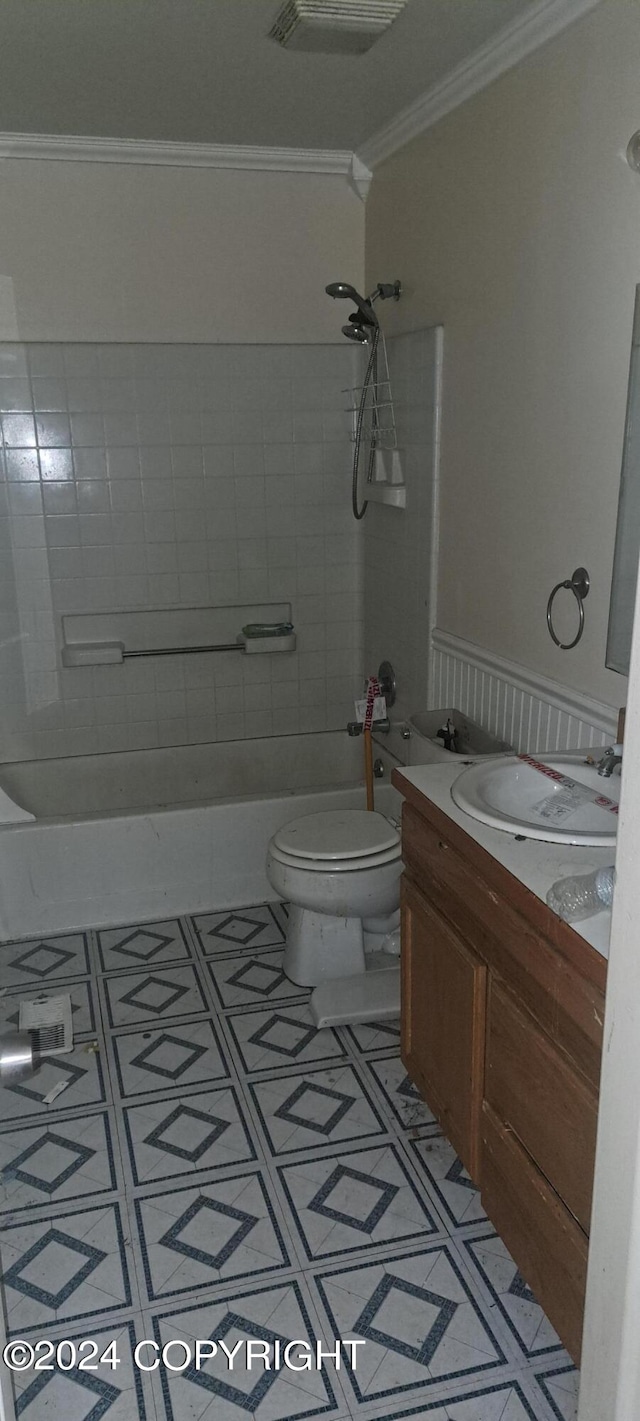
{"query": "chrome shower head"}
pixel 341 290
pixel 356 332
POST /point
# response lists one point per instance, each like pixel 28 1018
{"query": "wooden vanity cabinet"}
pixel 502 1010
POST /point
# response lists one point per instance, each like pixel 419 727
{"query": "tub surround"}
pixel 163 478
pixel 536 865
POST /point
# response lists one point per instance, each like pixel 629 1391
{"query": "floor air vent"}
pixel 49 1021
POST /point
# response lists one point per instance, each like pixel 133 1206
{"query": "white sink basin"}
pixel 559 798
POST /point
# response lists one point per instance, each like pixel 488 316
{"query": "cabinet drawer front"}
pixel 544 1239
pixel 538 1095
pixel 443 1023
pixel 570 1007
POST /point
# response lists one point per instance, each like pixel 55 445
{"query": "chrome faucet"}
pixel 355 727
pixel 612 757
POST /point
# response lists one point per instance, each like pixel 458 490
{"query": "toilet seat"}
pixel 338 835
pixel 342 865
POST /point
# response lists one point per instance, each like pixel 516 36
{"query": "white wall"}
pixel 101 252
pixel 515 222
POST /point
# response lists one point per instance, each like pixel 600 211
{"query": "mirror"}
pixel 627 549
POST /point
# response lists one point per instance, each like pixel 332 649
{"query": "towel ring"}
pixel 579 584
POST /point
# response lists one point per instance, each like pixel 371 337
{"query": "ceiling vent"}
pixel 334 26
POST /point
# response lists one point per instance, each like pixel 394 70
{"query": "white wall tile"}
pixel 173 476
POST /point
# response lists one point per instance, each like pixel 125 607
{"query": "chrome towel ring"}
pixel 579 584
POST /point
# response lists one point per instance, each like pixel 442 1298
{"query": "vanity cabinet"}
pixel 502 1011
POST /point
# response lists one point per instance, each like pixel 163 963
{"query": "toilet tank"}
pixel 426 748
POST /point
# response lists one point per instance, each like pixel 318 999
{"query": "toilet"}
pixel 340 873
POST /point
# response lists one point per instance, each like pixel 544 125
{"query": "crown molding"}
pixel 48 148
pixel 513 43
pixel 359 177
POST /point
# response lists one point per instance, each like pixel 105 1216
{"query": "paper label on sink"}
pixel 558 807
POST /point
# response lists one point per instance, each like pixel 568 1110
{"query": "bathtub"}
pixel 149 834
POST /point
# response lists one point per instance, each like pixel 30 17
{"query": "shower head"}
pixel 356 332
pixel 341 290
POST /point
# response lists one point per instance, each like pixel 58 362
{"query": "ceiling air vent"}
pixel 334 26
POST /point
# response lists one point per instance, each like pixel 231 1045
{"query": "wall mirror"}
pixel 627 549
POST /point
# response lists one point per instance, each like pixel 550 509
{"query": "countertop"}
pixel 534 863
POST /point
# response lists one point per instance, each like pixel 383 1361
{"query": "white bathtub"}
pixel 153 833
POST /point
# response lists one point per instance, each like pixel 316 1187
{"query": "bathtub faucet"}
pixel 355 727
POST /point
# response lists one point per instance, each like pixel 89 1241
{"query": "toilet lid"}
pixel 337 834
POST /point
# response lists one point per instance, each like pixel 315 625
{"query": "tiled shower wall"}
pixel 400 546
pixel 175 476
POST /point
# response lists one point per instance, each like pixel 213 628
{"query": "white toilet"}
pixel 340 872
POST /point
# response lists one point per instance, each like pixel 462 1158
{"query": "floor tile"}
pixel 213 1236
pixel 38 962
pixel 49 1163
pixel 300 1112
pixel 419 1318
pixel 447 1176
pixel 86 1087
pixel 493 1401
pixel 188 1053
pixel 218 1231
pixel 115 1393
pixel 281 1036
pixel 186 1135
pixel 83 1008
pixel 403 1098
pixel 251 979
pixel 560 1386
pixel 169 992
pixel 349 1201
pixel 522 1313
pixel 245 929
pixel 143 945
pixel 276 1315
pixel 73 1266
pixel 374 1036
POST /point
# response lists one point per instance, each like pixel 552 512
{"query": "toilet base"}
pixel 320 946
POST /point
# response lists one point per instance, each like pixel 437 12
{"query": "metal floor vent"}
pixel 49 1021
pixel 334 26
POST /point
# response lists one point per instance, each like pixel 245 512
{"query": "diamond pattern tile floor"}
pixel 218 1169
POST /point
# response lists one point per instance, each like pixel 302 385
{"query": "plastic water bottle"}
pixel 577 898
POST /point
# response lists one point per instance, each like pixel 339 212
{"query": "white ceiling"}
pixel 204 71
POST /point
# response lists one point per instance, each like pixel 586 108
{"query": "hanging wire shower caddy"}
pixel 379 410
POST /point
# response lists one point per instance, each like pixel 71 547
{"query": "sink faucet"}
pixel 612 757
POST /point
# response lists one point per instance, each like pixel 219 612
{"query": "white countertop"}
pixel 534 863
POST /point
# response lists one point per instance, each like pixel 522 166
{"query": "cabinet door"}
pixel 443 1022
pixel 537 1093
pixel 547 1244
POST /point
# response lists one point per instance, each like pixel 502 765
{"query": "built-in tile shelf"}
pixel 109 638
pixel 394 495
pixel 532 712
pixel 388 485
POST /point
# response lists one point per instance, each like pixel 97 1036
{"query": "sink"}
pixel 559 798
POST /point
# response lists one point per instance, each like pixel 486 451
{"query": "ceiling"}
pixel 204 71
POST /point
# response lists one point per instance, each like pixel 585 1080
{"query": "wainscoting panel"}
pixel 532 712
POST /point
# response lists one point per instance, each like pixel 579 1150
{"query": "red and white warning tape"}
pixel 600 799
